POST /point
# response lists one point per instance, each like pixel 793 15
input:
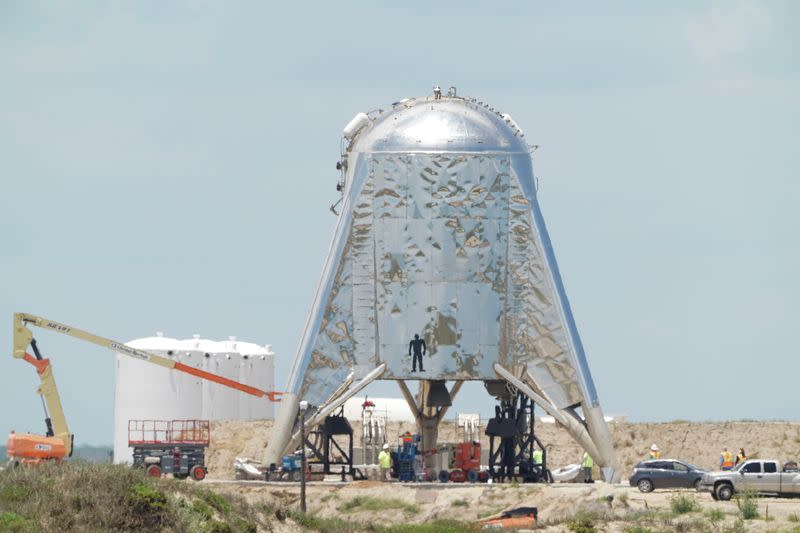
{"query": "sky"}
pixel 168 166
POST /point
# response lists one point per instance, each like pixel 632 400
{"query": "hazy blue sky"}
pixel 169 166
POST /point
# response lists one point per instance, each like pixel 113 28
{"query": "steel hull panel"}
pixel 445 245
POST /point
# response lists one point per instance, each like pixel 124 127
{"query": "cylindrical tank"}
pixel 220 403
pixel 255 370
pixel 189 388
pixel 149 392
pixel 143 391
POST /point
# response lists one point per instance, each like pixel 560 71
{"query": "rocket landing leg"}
pixel 592 435
pixel 283 441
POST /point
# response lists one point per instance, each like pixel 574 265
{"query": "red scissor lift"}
pixel 174 447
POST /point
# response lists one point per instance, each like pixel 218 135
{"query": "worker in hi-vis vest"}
pixel 726 460
pixel 385 462
pixel 740 457
pixel 537 457
pixel 588 463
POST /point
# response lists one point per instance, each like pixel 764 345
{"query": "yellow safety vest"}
pixel 384 459
pixel 588 462
pixel 727 460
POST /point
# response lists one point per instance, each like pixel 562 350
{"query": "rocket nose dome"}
pixel 440 125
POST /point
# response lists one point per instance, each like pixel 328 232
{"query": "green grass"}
pixel 581 525
pixel 460 503
pixel 202 509
pixel 793 517
pixel 80 496
pixel 748 505
pixel 584 520
pixel 338 525
pixel 13 522
pixel 715 515
pixel 146 499
pixel 13 493
pixel 216 501
pixel 368 503
pixel 435 526
pixel 682 504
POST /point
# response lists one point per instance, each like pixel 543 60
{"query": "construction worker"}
pixel 725 460
pixel 537 456
pixel 655 452
pixel 385 462
pixel 740 457
pixel 417 345
pixel 587 463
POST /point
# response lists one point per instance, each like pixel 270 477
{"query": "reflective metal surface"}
pixel 445 125
pixel 440 235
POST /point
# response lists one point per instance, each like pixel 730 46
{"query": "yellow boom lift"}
pixel 28 448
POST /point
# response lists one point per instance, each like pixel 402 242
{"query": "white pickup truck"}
pixel 763 476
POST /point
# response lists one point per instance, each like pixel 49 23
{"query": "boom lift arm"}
pixel 55 420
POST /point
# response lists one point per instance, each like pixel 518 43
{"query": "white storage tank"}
pixel 220 403
pixel 142 390
pixel 149 392
pixel 255 369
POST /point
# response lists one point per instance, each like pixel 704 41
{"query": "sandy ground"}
pixel 556 504
pixel 699 443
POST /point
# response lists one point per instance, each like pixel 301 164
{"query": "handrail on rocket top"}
pixel 23 337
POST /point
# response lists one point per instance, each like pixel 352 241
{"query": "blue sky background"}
pixel 169 166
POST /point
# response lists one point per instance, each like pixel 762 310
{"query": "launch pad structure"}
pixel 440 234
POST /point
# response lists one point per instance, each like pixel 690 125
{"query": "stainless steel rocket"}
pixel 440 234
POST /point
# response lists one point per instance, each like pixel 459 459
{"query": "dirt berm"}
pixel 699 443
pixel 410 507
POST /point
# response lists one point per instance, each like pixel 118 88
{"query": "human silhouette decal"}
pixel 417 347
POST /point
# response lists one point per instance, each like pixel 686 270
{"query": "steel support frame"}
pixel 591 433
pixel 283 442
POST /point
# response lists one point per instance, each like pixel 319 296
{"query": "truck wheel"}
pixel 472 476
pixel 725 492
pixel 444 476
pixel 297 475
pixel 645 485
pixel 198 472
pixel 154 471
pixel 714 495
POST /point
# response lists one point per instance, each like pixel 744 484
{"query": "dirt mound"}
pixel 699 443
pixel 235 438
